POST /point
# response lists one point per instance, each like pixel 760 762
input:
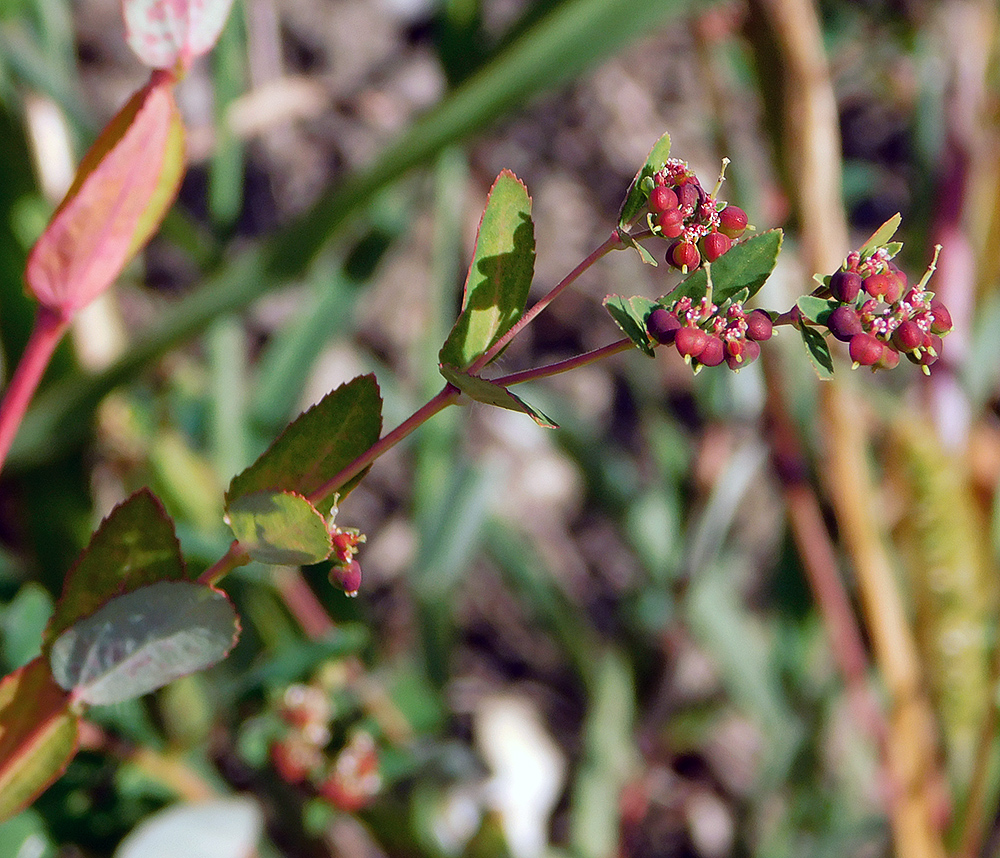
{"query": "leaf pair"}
pixel 129 621
pixel 495 294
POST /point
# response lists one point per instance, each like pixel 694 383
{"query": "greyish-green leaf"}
pixel 490 393
pixel 630 315
pixel 637 195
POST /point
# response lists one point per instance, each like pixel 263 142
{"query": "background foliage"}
pixel 616 612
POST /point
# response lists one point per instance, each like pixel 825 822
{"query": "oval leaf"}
pixel 141 641
pixel 483 390
pixel 630 315
pixel 223 828
pixel 818 351
pixel 280 528
pixel 637 195
pixel 134 546
pixel 503 263
pixel 38 735
pixel 171 33
pixel 747 265
pixel 881 236
pixel 317 446
pixel 123 188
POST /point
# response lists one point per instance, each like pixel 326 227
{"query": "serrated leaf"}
pixel 816 310
pixel 139 642
pixel 134 546
pixel 630 315
pixel 746 265
pixel 123 188
pixel 38 734
pixel 483 390
pixel 171 33
pixel 882 235
pixel 636 197
pixel 317 445
pixel 818 351
pixel 279 528
pixel 499 277
pixel 221 828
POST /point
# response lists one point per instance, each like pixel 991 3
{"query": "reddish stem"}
pixel 237 555
pixel 564 365
pixel 49 328
pixel 613 242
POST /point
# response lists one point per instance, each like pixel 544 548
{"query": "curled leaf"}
pixel 123 188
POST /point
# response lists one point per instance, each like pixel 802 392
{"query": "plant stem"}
pixel 613 242
pixel 564 365
pixel 48 330
pixel 448 395
pixel 236 556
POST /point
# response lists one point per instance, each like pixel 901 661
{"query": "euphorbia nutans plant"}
pixel 132 617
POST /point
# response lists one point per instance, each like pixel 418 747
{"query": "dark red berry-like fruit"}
pixel 900 275
pixel 733 221
pixel 662 199
pixel 844 323
pixel 663 325
pixel 714 352
pixel 845 285
pixel 865 349
pixel 942 317
pixel 671 223
pixel 759 326
pixel 715 244
pixel 746 355
pixel 689 196
pixel 690 342
pixel 886 287
pixel 348 577
pixel 684 255
pixel 907 336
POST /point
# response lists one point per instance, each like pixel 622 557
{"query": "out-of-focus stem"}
pixel 564 365
pixel 812 136
pixel 49 329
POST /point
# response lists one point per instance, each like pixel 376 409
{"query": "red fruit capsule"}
pixel 662 199
pixel 886 287
pixel 671 223
pixel 683 255
pixel 845 285
pixel 690 342
pixel 715 244
pixel 844 323
pixel 942 318
pixel 348 577
pixel 663 325
pixel 759 326
pixel 745 356
pixel 733 221
pixel 714 352
pixel 907 336
pixel 865 349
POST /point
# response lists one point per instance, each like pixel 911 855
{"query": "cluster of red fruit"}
pixel 880 316
pixel 679 208
pixel 706 336
pixel 345 571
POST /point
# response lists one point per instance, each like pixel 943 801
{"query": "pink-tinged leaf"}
pixel 38 735
pixel 122 190
pixel 171 33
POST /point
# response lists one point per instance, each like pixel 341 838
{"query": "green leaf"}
pixel 746 265
pixel 630 315
pixel 496 287
pixel 141 641
pixel 134 546
pixel 483 390
pixel 317 446
pixel 818 350
pixel 637 195
pixel 644 255
pixel 882 235
pixel 816 310
pixel 280 528
pixel 38 735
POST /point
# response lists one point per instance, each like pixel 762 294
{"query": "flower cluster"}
pixel 680 209
pixel 881 317
pixel 705 334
